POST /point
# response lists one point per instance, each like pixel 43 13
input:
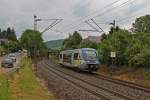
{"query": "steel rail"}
pixel 100 87
pixel 76 84
pixel 124 83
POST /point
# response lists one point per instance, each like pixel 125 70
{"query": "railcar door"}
pixel 77 59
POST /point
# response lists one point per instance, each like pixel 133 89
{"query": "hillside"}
pixel 54 43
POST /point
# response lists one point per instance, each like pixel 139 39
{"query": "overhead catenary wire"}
pixel 49 26
pixel 97 25
pixel 91 26
pixel 81 19
pixel 106 11
pixel 52 25
pixel 109 10
pixel 89 30
pixel 121 5
pixel 124 3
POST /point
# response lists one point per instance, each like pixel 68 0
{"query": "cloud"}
pixel 19 14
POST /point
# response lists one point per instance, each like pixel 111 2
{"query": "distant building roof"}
pixel 3 40
pixel 97 39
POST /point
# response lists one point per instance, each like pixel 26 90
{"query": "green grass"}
pixel 26 86
pixel 4 88
pixel 23 85
pixel 27 79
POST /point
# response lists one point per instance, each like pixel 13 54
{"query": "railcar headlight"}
pixel 88 61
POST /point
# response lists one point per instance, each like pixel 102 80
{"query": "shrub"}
pixel 141 59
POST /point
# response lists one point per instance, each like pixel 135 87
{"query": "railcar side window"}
pixel 76 56
pixel 60 56
pixel 67 58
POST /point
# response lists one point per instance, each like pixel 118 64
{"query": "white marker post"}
pixel 113 56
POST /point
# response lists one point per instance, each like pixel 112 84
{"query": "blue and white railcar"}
pixel 85 59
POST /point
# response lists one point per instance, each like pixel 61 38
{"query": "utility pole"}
pixel 113 23
pixel 35 22
pixel 113 53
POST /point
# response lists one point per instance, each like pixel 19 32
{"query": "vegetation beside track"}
pixel 5 93
pixel 140 75
pixel 23 85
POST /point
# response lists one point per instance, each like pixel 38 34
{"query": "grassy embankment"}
pixel 5 93
pixel 138 75
pixel 23 85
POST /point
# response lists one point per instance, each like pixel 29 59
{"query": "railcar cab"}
pixel 91 60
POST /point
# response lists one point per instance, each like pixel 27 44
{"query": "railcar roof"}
pixel 88 49
pixel 77 49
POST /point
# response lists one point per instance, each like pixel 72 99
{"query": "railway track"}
pixel 114 93
pixel 129 89
pixel 125 83
pixel 47 70
pixel 132 90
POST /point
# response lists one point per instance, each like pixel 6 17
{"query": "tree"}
pixel 33 42
pixel 73 41
pixel 131 49
pixel 13 35
pixel 0 33
pixel 10 43
pixel 138 52
pixel 76 38
pixel 88 44
pixel 4 34
pixel 116 42
pixel 8 33
pixel 142 24
pixel 104 52
pixel 114 29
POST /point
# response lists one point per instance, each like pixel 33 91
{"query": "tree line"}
pixel 30 40
pixel 8 34
pixel 132 48
pixel 8 41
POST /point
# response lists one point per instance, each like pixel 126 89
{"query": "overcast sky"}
pixel 19 14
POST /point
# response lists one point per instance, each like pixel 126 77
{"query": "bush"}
pixel 117 42
pixel 139 50
pixel 104 53
pixel 141 59
pixel 133 50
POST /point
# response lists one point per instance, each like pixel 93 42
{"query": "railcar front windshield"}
pixel 91 54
